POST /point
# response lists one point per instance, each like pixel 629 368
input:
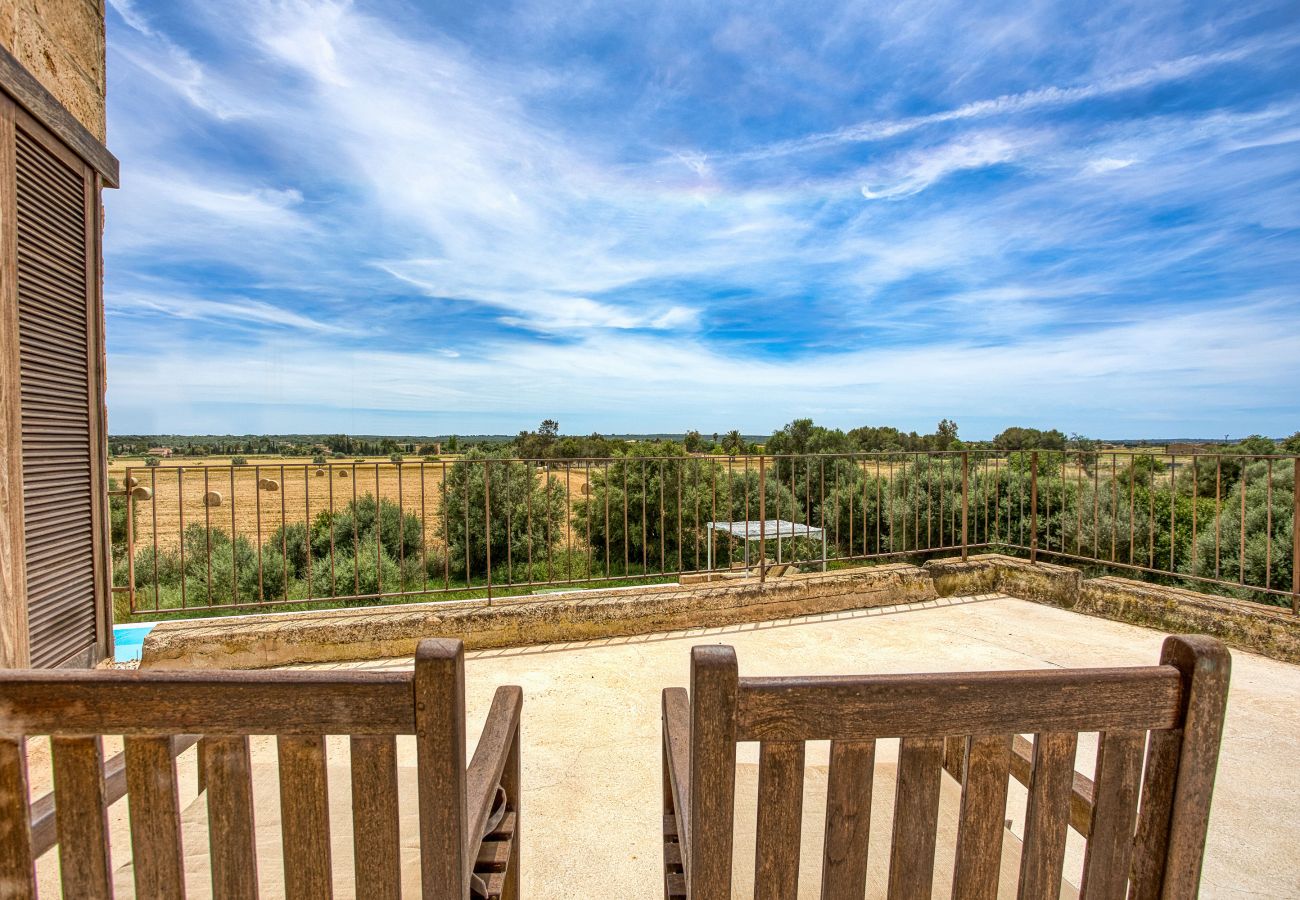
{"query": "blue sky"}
pixel 405 217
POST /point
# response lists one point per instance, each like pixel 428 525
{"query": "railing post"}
pixel 762 519
pixel 1295 540
pixel 487 525
pixel 130 538
pixel 965 502
pixel 1033 506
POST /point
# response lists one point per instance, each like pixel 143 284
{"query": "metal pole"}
pixel 762 520
pixel 965 502
pixel 487 524
pixel 1295 540
pixel 1033 507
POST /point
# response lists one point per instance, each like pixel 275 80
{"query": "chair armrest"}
pixel 677 750
pixel 484 772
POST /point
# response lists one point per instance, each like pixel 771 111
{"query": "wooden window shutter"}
pixel 53 244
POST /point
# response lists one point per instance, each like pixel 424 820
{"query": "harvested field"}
pixel 179 493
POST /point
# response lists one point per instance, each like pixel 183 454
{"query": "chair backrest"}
pixel 159 714
pixel 1144 816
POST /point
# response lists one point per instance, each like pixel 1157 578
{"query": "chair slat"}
pixel 156 855
pixel 440 752
pixel 848 820
pixel 916 818
pixel 983 814
pixel 228 776
pixel 1110 846
pixel 82 819
pixel 375 830
pixel 780 815
pixel 17 873
pixel 304 817
pixel 1207 667
pixel 712 779
pixel 1047 815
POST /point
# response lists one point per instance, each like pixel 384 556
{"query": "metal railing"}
pixel 215 538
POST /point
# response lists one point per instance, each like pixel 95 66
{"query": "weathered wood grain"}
pixel 445 862
pixel 712 771
pixel 1047 815
pixel 983 814
pixel 231 833
pixel 84 866
pixel 17 873
pixel 780 816
pixel 226 703
pixel 821 708
pixel 916 818
pixel 1110 846
pixel 848 819
pixel 156 852
pixel 376 836
pixel 304 817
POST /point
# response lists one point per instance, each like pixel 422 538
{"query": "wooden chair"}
pixel 1170 714
pixel 300 708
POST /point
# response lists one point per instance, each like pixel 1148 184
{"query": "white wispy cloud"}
pixel 227 309
pixel 1052 96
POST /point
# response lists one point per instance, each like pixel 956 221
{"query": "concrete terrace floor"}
pixel 591 751
pixel 591 733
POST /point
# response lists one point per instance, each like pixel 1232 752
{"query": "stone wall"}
pixel 245 642
pixel 61 42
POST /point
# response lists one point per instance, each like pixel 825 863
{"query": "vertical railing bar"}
pixel 234 562
pixel 627 534
pixel 446 529
pixel 1114 504
pixel 257 473
pixel 1295 540
pixel 207 527
pixel 680 537
pixel 424 535
pixel 604 480
pixel 1196 497
pixel 356 535
pixel 379 535
pixel 965 505
pixel 401 532
pixel 1268 527
pixel 645 527
pixel 153 506
pixel 1132 494
pixel 487 525
pixel 1241 552
pixel 762 519
pixel 284 534
pixel 306 534
pixel 1033 508
pixel 329 474
pixel 662 547
pixel 130 541
pixel 180 510
pixel 1218 508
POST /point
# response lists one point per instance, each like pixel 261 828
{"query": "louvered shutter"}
pixel 57 344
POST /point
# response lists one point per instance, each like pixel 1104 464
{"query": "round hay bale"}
pixel 269 484
pixel 212 498
pixel 343 473
pixel 585 489
pixel 320 473
pixel 132 482
pixel 140 492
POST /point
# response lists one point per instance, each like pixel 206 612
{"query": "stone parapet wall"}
pixel 246 642
pixel 387 631
pixel 61 42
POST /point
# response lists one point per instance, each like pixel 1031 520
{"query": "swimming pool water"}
pixel 129 639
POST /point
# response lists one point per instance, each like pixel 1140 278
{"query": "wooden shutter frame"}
pixel 20 94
